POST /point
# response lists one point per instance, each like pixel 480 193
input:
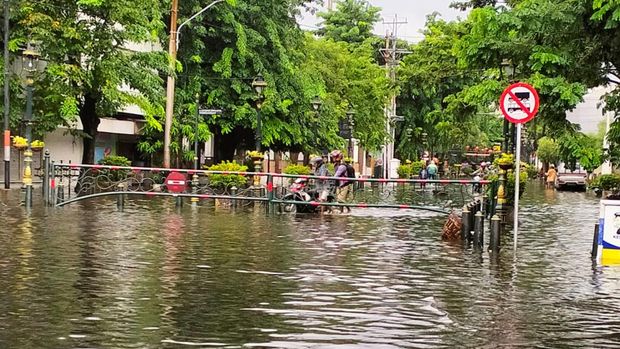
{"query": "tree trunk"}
pixel 294 156
pixel 90 123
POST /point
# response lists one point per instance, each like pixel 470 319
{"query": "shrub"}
pixel 227 180
pixel 606 182
pixel 530 170
pixel 297 170
pixel 114 175
pixel 114 160
pixel 405 171
pixel 417 166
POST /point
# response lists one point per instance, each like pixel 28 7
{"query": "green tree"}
pixel 548 151
pixel 87 60
pixel 352 22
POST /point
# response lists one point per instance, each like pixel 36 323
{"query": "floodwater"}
pixel 88 276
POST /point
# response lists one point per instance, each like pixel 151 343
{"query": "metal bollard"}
pixel 472 221
pixel 46 177
pixel 120 198
pixel 494 242
pixel 120 201
pixel 465 226
pixel 194 200
pixel 478 229
pixel 233 193
pixel 595 241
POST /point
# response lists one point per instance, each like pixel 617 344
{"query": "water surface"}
pixel 88 276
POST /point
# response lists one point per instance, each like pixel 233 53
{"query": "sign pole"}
pixel 517 184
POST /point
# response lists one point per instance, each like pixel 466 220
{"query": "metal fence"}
pixel 67 183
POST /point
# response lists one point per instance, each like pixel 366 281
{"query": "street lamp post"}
pixel 30 59
pixel 196 157
pixel 173 47
pixel 509 71
pixel 351 123
pixel 316 106
pixel 259 84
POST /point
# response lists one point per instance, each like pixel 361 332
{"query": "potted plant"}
pixel 20 142
pixel 256 155
pixel 37 145
pixel 506 161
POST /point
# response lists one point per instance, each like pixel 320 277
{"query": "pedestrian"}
pixel 343 188
pixel 320 169
pixel 552 176
pixel 432 170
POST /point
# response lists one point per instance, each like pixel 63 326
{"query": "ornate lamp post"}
pixel 30 58
pixel 259 84
pixel 508 70
pixel 351 123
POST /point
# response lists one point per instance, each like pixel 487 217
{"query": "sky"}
pixel 414 12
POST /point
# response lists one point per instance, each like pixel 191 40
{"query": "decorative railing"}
pixel 72 182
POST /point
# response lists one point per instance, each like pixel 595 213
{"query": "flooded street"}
pixel 88 276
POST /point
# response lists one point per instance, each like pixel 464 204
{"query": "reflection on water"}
pixel 152 277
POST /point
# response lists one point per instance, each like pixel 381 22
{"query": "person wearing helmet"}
pixel 343 190
pixel 320 169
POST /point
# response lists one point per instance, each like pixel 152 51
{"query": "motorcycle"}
pixel 299 192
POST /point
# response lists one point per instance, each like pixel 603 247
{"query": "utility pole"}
pixel 172 56
pixel 330 4
pixel 392 55
pixel 7 131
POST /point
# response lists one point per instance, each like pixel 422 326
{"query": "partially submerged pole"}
pixel 479 229
pixel 465 226
pixel 494 242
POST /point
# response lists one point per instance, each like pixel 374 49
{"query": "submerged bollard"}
pixel 595 241
pixel 465 226
pixel 120 201
pixel 120 198
pixel 479 229
pixel 178 201
pixel 472 216
pixel 233 192
pixel 494 242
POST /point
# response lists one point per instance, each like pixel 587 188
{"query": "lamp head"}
pixel 259 84
pixel 30 59
pixel 508 68
pixel 316 103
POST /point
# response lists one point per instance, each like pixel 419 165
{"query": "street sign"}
pixel 176 182
pixel 209 111
pixel 519 103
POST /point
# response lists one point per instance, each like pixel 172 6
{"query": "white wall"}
pixel 64 146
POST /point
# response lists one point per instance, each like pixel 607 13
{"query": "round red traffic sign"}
pixel 176 182
pixel 519 103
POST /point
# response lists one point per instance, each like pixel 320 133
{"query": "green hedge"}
pixel 227 180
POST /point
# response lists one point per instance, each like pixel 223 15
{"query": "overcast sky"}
pixel 413 11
